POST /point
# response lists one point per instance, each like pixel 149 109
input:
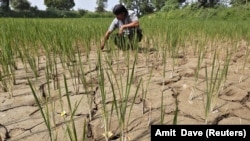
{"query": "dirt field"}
pixel 21 120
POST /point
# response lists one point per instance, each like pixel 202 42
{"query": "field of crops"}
pixel 56 83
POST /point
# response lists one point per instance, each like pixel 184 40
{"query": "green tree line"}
pixel 140 6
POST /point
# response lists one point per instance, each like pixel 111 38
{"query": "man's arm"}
pixel 132 24
pixel 106 37
pixel 112 26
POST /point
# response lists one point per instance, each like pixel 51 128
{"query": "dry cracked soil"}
pixel 156 91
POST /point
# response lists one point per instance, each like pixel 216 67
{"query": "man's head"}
pixel 120 11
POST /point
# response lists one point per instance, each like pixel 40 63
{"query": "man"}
pixel 128 24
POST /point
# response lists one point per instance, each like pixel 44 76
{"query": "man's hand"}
pixel 102 45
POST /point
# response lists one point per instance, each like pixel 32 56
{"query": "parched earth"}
pixel 156 94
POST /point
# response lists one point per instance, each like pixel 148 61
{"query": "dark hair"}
pixel 119 8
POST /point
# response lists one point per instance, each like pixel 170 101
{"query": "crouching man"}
pixel 127 23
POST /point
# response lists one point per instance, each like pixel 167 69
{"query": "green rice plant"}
pixel 210 87
pixel 145 90
pixel 163 84
pixel 122 107
pixel 49 113
pixel 47 51
pixel 214 83
pixel 101 81
pixel 84 132
pixel 82 78
pixel 162 109
pixel 8 64
pixel 45 114
pixel 6 84
pixel 71 130
pixel 33 65
pixel 201 56
pixel 129 81
pixel 70 126
pixel 201 52
pixel 173 48
pixel 48 81
pixel 49 106
pixel 126 94
pixel 88 38
pixel 74 72
pixel 54 73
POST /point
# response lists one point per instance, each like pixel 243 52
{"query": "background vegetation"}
pixel 229 9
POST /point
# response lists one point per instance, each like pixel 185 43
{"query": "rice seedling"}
pixel 163 84
pixel 8 63
pixel 85 85
pixel 121 104
pixel 45 114
pixel 101 81
pixel 214 83
pixel 145 90
pixel 71 130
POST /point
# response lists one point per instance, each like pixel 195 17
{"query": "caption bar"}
pixel 199 132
